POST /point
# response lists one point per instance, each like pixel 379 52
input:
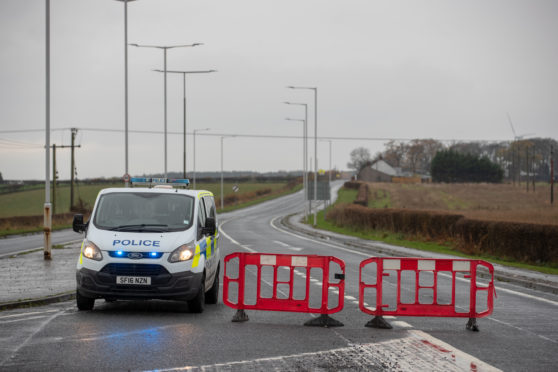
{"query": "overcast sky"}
pixel 389 69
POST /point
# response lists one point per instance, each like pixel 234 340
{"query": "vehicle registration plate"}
pixel 133 280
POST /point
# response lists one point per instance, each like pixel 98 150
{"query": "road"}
pixel 521 334
pixel 22 243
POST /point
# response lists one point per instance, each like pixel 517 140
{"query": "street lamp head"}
pixel 134 44
pixel 287 103
pixel 290 87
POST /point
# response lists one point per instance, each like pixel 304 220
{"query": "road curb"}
pixel 498 275
pixel 38 301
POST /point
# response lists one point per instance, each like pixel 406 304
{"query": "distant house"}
pixel 381 171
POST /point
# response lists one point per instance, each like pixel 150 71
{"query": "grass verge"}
pixel 415 242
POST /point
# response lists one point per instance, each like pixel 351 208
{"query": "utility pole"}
pixel 533 167
pixel 72 171
pixel 53 178
pixel 47 206
pixel 551 175
pixel 527 167
pixel 55 173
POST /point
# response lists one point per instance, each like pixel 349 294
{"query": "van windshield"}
pixel 144 212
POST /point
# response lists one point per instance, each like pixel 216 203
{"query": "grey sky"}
pixel 411 69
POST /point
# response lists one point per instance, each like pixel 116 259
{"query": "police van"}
pixel 155 241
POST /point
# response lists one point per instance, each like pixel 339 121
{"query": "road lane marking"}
pixel 313 240
pixel 401 324
pixel 27 314
pixel 281 243
pixel 232 240
pixel 23 320
pixel 26 341
pixel 416 350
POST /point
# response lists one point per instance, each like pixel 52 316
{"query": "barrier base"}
pixel 323 320
pixel 240 316
pixel 378 322
pixel 472 325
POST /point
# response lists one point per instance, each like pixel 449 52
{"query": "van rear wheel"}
pixel 84 303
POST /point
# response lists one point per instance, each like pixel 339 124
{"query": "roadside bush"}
pixel 362 195
pixel 353 185
pixel 524 242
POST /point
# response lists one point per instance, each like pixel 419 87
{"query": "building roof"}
pixel 382 166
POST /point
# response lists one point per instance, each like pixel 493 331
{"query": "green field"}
pixel 30 202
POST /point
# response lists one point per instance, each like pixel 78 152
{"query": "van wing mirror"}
pixel 77 224
pixel 210 227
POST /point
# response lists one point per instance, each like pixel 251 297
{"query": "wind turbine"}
pixel 515 136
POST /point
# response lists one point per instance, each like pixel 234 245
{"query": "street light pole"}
pixel 315 89
pixel 165 48
pixel 329 172
pixel 47 205
pixel 184 73
pixel 304 157
pixel 303 161
pixel 196 130
pixel 222 190
pixel 125 87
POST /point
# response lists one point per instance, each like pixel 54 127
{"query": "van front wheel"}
pixel 84 303
pixel 212 296
pixel 197 304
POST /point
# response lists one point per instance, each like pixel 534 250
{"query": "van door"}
pixel 212 253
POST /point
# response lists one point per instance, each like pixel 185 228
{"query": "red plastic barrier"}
pixel 434 266
pixel 274 303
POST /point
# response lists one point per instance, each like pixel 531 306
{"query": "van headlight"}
pixel 183 253
pixel 91 251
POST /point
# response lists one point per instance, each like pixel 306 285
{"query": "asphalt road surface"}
pixel 521 334
pixel 22 243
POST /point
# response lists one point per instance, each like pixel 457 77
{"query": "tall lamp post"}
pixel 222 192
pixel 305 154
pixel 329 173
pixel 195 131
pixel 303 162
pixel 165 48
pixel 315 89
pixel 184 73
pixel 125 87
pixel 47 206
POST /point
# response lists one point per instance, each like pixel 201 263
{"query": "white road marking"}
pixel 281 243
pixel 26 341
pixel 351 298
pixel 232 240
pixel 315 241
pixel 401 324
pixel 416 350
pixel 27 314
pixel 24 319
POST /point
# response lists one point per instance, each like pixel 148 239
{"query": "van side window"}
pixel 201 214
pixel 209 206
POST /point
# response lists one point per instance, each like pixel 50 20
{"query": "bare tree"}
pixel 360 157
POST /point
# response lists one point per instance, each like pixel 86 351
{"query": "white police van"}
pixel 151 242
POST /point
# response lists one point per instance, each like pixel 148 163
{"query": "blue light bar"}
pixel 137 255
pixel 159 181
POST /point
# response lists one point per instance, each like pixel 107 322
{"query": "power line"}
pixel 214 134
